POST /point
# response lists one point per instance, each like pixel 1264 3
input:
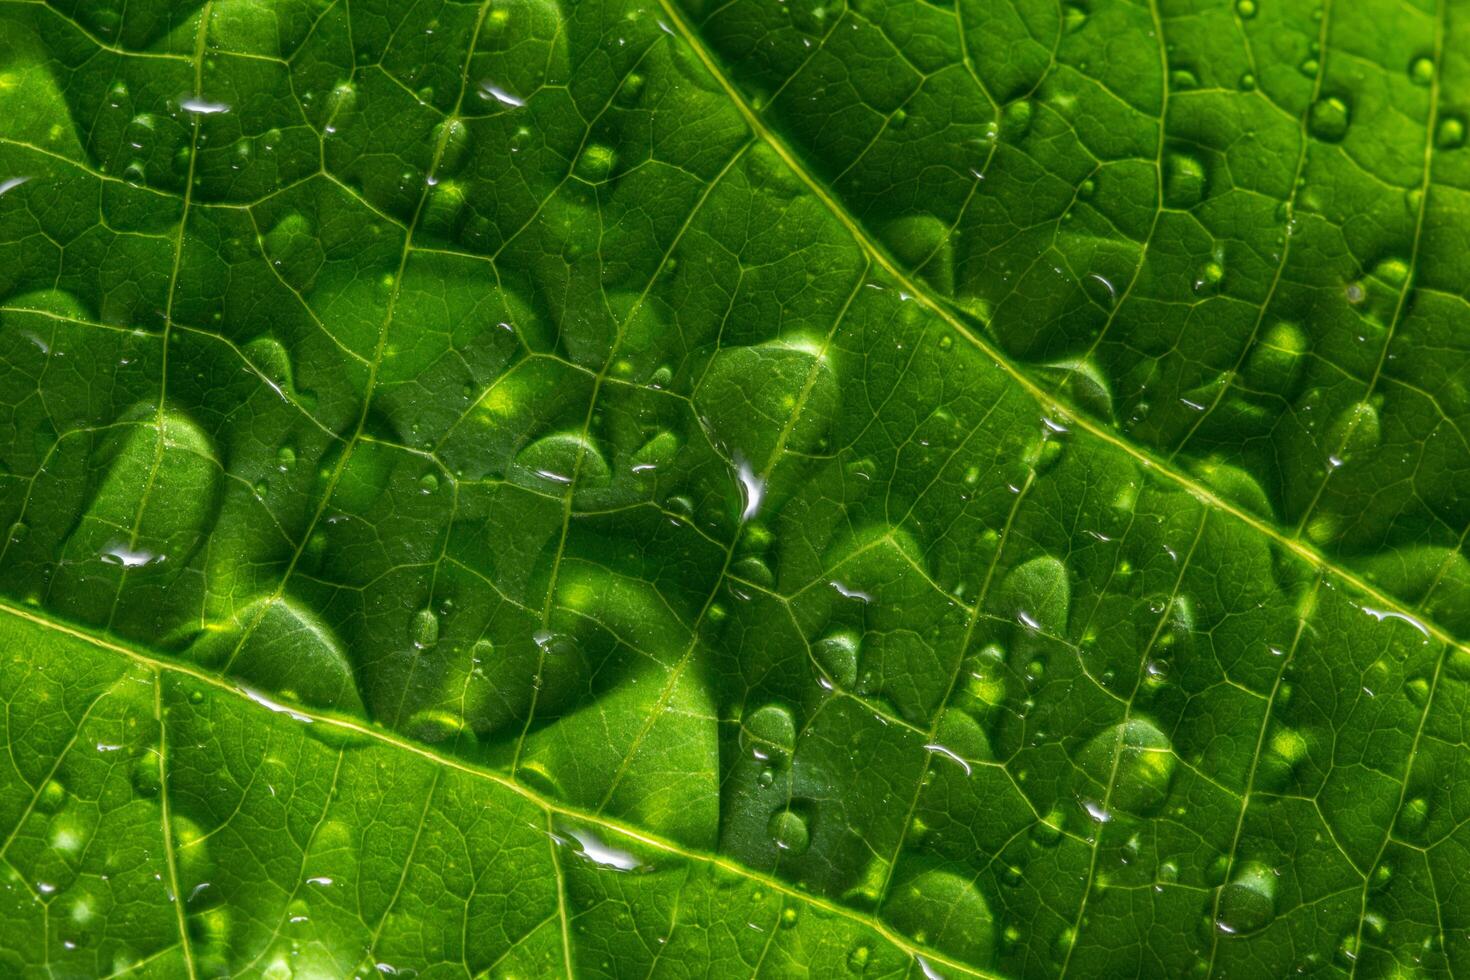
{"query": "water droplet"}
pixel 1248 903
pixel 1245 8
pixel 1062 945
pixel 561 457
pixel 1421 71
pixel 1394 271
pixel 1184 181
pixel 631 90
pixel 1015 120
pixel 1248 82
pixel 1328 118
pixel 1048 830
pixel 1414 816
pixel 423 629
pixel 1277 359
pixel 147 774
pixel 769 733
pixel 1450 134
pixel 435 727
pixel 1209 275
pixel 1286 750
pixel 52 797
pixel 1356 430
pixel 655 454
pixel 452 137
pixel 1038 594
pixel 788 829
pixel 753 569
pixel 837 655
pixel 596 163
pixel 1139 760
pixel 946 911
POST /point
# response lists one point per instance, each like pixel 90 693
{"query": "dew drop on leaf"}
pixel 1450 134
pixel 1421 71
pixel 1328 118
pixel 789 830
pixel 837 655
pixel 944 910
pixel 424 629
pixel 1139 761
pixel 1248 902
pixel 52 797
pixel 596 162
pixel 769 733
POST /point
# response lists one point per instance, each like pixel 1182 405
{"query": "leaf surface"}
pixel 629 488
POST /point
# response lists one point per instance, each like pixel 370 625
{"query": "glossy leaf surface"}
pixel 642 487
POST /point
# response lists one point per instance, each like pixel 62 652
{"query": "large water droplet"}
pixel 1248 902
pixel 423 629
pixel 1039 595
pixel 1015 120
pixel 1276 361
pixel 452 137
pixel 1421 71
pixel 1144 767
pixel 1356 430
pixel 596 163
pixel 1450 133
pixel 1328 119
pixel 52 797
pixel 1184 181
pixel 837 655
pixel 788 829
pixel 147 774
pixel 769 733
pixel 560 458
pixel 943 910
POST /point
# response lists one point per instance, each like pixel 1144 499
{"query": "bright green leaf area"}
pixel 684 488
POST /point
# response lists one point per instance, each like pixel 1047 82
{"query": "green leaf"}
pixel 642 486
